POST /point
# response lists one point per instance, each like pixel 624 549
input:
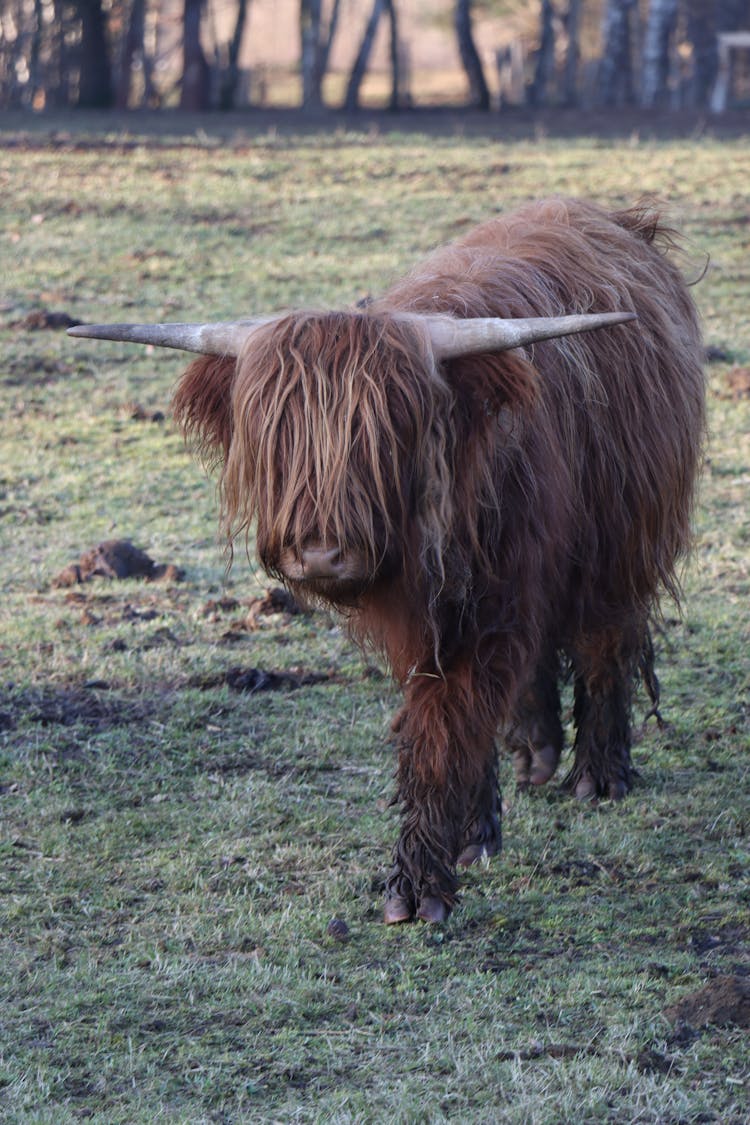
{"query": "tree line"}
pixel 136 53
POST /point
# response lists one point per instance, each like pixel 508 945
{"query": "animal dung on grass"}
pixel 490 471
pixel 117 559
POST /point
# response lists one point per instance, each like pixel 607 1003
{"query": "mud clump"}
pixel 724 1000
pixel 277 606
pixel 42 319
pixel 275 600
pixel 134 412
pixel 737 383
pixel 116 559
pixel 252 680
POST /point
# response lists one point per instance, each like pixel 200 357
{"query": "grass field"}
pixel 173 851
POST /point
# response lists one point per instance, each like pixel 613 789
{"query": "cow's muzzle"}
pixel 325 570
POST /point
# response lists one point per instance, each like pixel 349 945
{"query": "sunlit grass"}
pixel 172 852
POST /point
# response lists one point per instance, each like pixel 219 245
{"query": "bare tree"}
pixel 701 31
pixel 361 62
pixel 95 85
pixel 316 38
pixel 479 94
pixel 573 54
pixel 194 91
pixel 544 68
pixel 615 79
pixel 231 73
pixel 657 47
pixel 132 47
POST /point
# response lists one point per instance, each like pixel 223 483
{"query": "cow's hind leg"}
pixel 605 671
pixel 535 738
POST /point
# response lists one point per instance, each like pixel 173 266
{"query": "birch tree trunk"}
pixel 615 79
pixel 657 44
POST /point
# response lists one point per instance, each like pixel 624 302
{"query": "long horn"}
pixel 222 338
pixel 452 338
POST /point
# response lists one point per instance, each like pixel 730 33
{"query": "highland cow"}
pixel 486 497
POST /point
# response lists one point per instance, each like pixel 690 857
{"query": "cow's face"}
pixel 338 449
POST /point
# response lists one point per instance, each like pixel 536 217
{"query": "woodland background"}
pixel 403 54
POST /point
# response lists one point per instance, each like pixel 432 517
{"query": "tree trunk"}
pixel 131 47
pixel 95 87
pixel 358 71
pixel 309 27
pixel 479 94
pixel 316 43
pixel 615 79
pixel 231 75
pixel 326 40
pixel 701 30
pixel 572 58
pixel 657 43
pixel 395 59
pixel 545 58
pixel 195 70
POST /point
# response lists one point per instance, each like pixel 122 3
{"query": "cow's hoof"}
pixel 543 764
pixel 521 767
pixel 535 767
pixel 432 909
pixel 617 790
pixel 585 788
pixel 473 853
pixel 397 910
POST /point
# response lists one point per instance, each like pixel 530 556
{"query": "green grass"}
pixel 171 851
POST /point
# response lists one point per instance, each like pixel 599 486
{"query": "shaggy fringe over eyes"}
pixel 341 436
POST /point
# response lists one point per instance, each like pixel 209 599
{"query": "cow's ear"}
pixel 202 405
pixel 495 382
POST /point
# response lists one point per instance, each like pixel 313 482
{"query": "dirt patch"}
pixel 724 1000
pixel 277 606
pixel 254 680
pixel 91 705
pixel 709 942
pixel 36 372
pixel 737 383
pixel 116 559
pixel 134 412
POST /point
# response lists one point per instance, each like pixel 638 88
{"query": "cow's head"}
pixel 335 431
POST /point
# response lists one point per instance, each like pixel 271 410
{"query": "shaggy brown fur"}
pixel 513 511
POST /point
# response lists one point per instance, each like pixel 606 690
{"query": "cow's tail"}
pixel 647 669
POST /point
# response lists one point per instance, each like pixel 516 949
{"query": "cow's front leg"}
pixel 483 833
pixel 447 788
